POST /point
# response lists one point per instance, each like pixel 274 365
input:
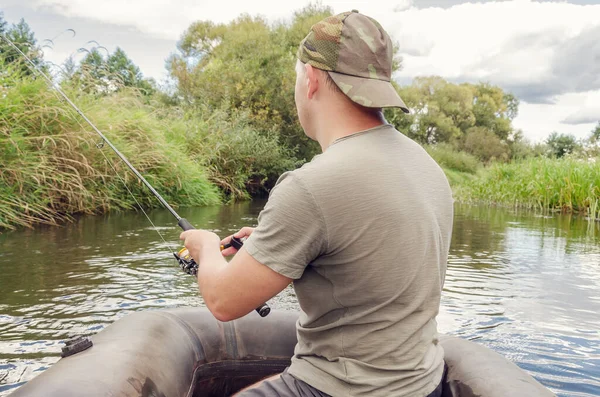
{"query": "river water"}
pixel 525 285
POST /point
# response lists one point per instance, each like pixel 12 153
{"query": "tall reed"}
pixel 566 185
pixel 51 167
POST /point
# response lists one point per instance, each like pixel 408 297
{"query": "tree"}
pixel 445 112
pixel 3 23
pixel 520 147
pixel 440 111
pixel 485 145
pixel 92 73
pixel 561 144
pixel 124 72
pixel 595 138
pixel 23 38
pixel 494 109
pixel 69 67
pixel 247 64
pixel 104 75
pixel 94 65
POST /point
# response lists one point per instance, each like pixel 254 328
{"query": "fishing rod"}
pixel 185 260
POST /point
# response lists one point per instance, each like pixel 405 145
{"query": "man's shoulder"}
pixel 314 174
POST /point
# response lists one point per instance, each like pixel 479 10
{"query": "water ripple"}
pixel 525 286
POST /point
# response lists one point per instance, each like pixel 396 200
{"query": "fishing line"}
pixel 101 145
pixel 184 258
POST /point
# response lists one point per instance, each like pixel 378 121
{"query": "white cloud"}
pixel 165 18
pixel 521 45
pixel 583 116
pixel 403 5
pixel 512 43
pixel 539 120
pixel 586 111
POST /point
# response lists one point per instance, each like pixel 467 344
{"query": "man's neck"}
pixel 333 128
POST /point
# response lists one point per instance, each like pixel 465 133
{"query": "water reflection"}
pixel 525 285
pixel 528 287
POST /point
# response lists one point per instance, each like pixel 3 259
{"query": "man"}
pixel 362 230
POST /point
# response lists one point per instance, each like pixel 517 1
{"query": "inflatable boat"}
pixel 188 353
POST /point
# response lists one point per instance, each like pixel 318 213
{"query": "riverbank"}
pixel 54 165
pixel 566 185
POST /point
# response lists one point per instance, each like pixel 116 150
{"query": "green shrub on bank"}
pixel 567 184
pixel 449 158
pixel 240 160
pixel 51 167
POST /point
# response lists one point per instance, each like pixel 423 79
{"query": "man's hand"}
pixel 197 240
pixel 243 233
pixel 231 290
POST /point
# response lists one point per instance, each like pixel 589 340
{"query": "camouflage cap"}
pixel 358 54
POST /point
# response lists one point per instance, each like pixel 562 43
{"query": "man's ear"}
pixel 312 78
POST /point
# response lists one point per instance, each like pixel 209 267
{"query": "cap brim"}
pixel 371 93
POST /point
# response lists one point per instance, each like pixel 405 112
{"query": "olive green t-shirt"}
pixel 364 231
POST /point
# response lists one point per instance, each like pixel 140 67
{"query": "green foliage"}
pixel 240 160
pixel 23 38
pixel 3 23
pixel 493 109
pixel 247 65
pixel 447 112
pixel 449 158
pixel 51 167
pixel 230 129
pixel 565 184
pixel 520 148
pixel 485 145
pixel 122 69
pixel 94 67
pixel 457 178
pixel 102 75
pixel 562 144
pixel 595 137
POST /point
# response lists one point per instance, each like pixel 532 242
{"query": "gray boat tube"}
pixel 187 352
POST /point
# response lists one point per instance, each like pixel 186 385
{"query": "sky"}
pixel 546 52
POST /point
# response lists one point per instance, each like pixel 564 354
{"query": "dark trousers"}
pixel 288 386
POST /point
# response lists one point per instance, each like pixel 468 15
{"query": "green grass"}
pixel 241 160
pixel 451 159
pixel 566 185
pixel 457 178
pixel 51 167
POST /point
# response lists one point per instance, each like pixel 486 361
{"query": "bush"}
pixel 485 145
pixel 51 167
pixel 448 157
pixel 565 184
pixel 241 160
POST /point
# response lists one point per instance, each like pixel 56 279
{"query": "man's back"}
pixel 373 220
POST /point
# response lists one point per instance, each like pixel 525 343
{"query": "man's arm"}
pixel 231 290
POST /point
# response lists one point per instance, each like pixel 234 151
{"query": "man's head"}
pixel 353 52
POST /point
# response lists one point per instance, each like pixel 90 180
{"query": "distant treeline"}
pixel 225 126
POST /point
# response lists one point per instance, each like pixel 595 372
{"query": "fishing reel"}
pixel 189 265
pixel 186 262
pixel 184 258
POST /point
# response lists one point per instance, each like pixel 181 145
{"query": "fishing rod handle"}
pixel 234 242
pixel 264 309
pixel 185 224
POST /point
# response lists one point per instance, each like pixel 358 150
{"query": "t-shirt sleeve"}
pixel 291 230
